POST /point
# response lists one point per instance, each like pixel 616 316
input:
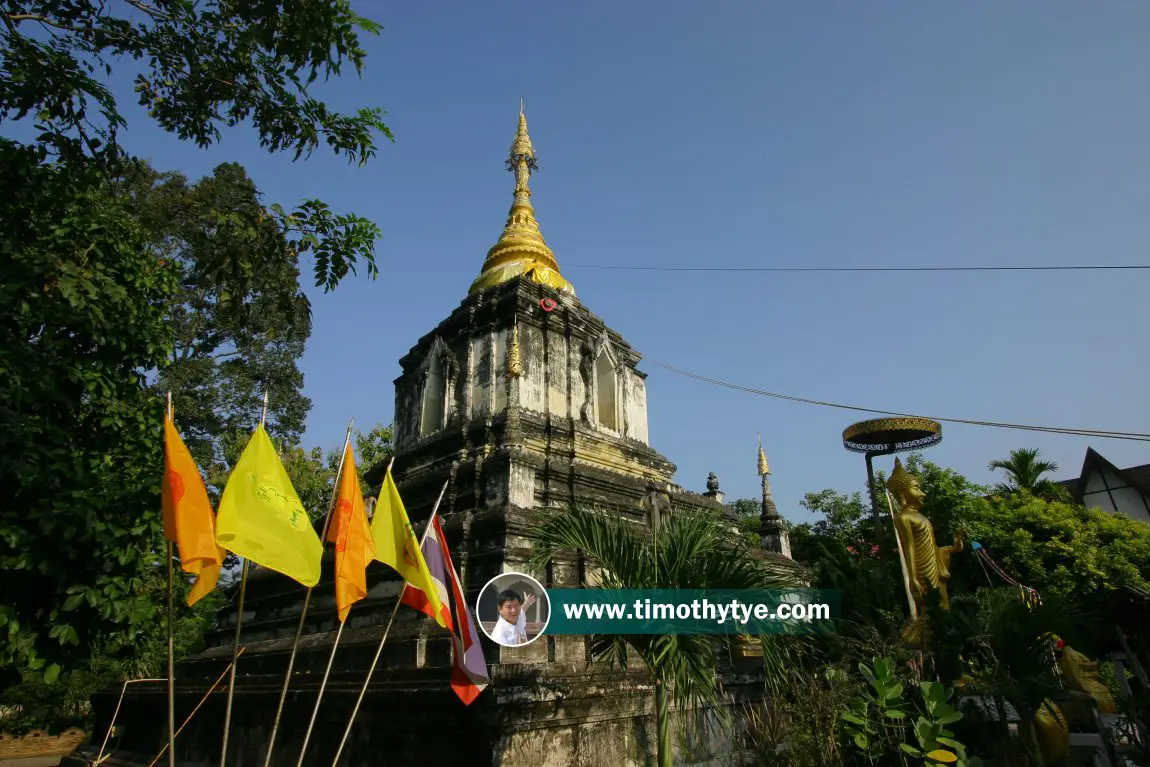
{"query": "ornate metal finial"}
pixel 763 467
pixel 514 363
pixel 522 153
pixel 521 250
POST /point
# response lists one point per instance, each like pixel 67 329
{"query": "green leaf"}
pixel 909 749
pixel 861 741
pixel 892 713
pixel 51 673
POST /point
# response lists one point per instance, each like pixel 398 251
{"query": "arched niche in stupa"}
pixel 438 374
pixel 606 394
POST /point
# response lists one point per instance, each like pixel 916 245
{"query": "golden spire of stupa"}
pixel 521 250
pixel 763 468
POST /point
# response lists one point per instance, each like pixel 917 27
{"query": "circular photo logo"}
pixel 513 609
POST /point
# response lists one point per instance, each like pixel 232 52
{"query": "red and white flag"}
pixel 469 675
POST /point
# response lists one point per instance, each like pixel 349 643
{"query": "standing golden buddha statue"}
pixel 927 565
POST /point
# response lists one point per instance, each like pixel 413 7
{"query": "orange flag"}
pixel 351 534
pixel 188 518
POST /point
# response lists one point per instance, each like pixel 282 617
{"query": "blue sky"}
pixel 775 134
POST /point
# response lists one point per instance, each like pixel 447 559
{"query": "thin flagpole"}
pixel 171 669
pixel 235 657
pixel 307 599
pixel 902 561
pixel 194 710
pixel 327 671
pixel 115 714
pixel 171 643
pixel 386 631
pixel 319 696
pixel 236 642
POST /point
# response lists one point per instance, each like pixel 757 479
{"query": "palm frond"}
pixel 1005 488
pixel 610 540
pixel 1015 633
pixel 786 654
pixel 610 649
pixel 687 664
pixel 1023 468
pixel 1000 465
pixel 691 550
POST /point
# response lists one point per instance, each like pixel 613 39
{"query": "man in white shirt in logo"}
pixel 511 628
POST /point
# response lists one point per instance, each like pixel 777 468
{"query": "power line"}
pixel 859 268
pixel 1100 434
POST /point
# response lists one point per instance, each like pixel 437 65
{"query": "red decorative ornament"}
pixel 547 304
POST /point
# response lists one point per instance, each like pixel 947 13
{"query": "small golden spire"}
pixel 521 249
pixel 514 363
pixel 763 467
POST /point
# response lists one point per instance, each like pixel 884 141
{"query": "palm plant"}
pixel 1024 471
pixel 690 550
pixel 1015 662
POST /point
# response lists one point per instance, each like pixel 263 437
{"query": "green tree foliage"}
pixel 92 288
pixel 35 704
pixel 239 319
pixel 252 63
pixel 746 508
pixel 841 551
pixel 842 514
pixel 747 511
pixel 1062 548
pixel 840 527
pixel 80 437
pixel 950 497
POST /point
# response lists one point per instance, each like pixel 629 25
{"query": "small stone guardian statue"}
pixel 657 506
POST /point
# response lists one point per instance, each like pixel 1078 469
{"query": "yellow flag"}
pixel 261 518
pixel 398 548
